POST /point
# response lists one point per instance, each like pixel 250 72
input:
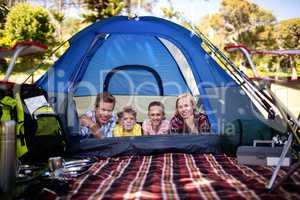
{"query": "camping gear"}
pixel 293 127
pixel 152 57
pixel 55 163
pixel 42 127
pixel 13 109
pixel 22 48
pixel 247 52
pixel 261 155
pixel 7 156
pixel 293 123
pixel 39 135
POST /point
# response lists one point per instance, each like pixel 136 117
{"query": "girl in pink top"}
pixel 156 124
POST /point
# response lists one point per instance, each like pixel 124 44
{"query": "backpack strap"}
pixel 21 142
pixel 7 104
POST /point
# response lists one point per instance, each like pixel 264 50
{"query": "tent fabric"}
pixel 149 145
pixel 71 67
pixel 139 44
pixel 119 50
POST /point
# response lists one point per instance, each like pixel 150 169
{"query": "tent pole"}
pixel 282 156
pixel 13 61
pixel 293 126
pixel 290 172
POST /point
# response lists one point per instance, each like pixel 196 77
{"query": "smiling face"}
pixel 185 107
pixel 104 112
pixel 156 115
pixel 128 121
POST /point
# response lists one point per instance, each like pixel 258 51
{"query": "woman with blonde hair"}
pixel 186 119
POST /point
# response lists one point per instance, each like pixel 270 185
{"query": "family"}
pixel 101 122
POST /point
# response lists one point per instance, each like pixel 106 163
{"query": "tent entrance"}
pixel 133 79
pixel 131 64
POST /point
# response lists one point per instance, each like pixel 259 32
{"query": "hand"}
pixel 191 124
pixel 86 121
pixel 94 127
pixel 96 131
pixel 189 121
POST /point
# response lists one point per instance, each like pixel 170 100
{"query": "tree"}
pixel 287 35
pixel 27 22
pixel 146 5
pixel 240 21
pixel 3 12
pixel 101 9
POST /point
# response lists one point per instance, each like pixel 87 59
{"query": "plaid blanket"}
pixel 179 176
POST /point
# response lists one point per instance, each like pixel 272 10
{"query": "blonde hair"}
pixel 186 95
pixel 126 109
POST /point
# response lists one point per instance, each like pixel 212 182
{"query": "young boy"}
pixel 156 124
pixel 127 124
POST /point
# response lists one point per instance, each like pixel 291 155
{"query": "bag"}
pixel 242 132
pixel 43 134
pixel 12 109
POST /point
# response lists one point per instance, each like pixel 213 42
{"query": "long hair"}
pixel 185 95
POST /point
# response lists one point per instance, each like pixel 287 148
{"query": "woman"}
pixel 186 120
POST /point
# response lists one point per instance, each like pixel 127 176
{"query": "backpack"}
pixel 38 129
pixel 42 127
pixel 11 109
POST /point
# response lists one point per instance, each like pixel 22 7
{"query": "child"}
pixel 127 124
pixel 156 124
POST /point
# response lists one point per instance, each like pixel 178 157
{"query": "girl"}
pixel 156 124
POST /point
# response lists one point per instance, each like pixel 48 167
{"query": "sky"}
pixel 196 9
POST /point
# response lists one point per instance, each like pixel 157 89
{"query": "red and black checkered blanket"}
pixel 179 176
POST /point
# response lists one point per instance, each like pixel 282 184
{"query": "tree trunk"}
pixel 294 70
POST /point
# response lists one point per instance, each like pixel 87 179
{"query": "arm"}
pixel 176 124
pixel 145 128
pixel 204 125
pixel 191 125
pixel 92 126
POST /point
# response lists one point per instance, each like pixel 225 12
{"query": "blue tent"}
pixel 145 56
